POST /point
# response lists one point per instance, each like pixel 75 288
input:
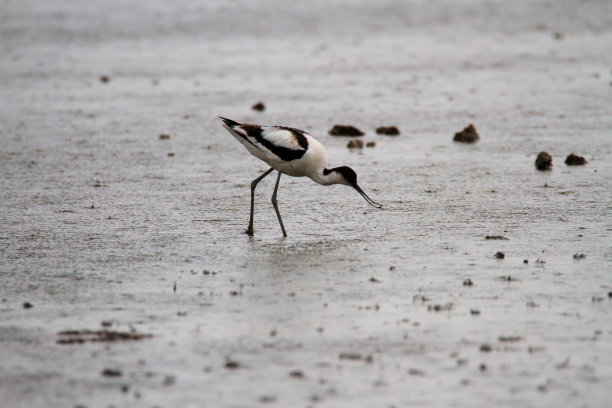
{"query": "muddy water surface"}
pixel 110 231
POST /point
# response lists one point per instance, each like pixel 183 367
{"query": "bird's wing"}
pixel 276 142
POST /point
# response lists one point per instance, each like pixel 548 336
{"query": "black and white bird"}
pixel 292 152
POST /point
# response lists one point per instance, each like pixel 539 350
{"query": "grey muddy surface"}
pixel 106 233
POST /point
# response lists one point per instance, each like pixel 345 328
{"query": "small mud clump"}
pixel 467 135
pixel 259 106
pixel 164 136
pixel 111 372
pixel 387 130
pixel 355 144
pixel 370 144
pixel 231 364
pixel 543 161
pixel 575 160
pixel 98 336
pixel 485 348
pixel 104 79
pixel 578 257
pixel 345 130
pixel 500 255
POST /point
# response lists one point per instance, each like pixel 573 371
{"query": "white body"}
pixel 311 164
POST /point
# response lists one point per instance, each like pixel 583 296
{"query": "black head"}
pixel 349 177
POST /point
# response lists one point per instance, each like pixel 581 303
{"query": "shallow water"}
pixel 307 302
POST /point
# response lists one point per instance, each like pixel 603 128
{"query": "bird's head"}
pixel 347 176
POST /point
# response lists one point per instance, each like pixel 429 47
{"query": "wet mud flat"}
pixel 125 276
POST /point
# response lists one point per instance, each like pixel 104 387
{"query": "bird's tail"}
pixel 229 122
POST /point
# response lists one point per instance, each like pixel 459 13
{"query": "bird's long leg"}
pixel 275 204
pixel 249 230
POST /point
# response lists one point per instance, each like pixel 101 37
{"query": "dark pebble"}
pixel 525 261
pixel 575 160
pixel 27 305
pixel 370 144
pixel 500 255
pixel 104 79
pixel 374 280
pixel 259 106
pixel 499 237
pixel 468 282
pixel 345 130
pixel 483 367
pixel 543 161
pixel 164 136
pixel 467 135
pixel 388 130
pixel 474 312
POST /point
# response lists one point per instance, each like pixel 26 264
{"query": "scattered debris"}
pixel 467 135
pixel 468 282
pixel 259 106
pixel 104 78
pixel 558 35
pixel 535 349
pixel 509 339
pixel 540 261
pixel 345 130
pixel 499 237
pixel 388 130
pixel 482 367
pixel 508 278
pixel 543 161
pixel 111 372
pixel 563 364
pixel 578 257
pixel 532 304
pixel 500 255
pixel 267 399
pixel 27 305
pixel 374 280
pixel 440 308
pixel 164 136
pixel 575 160
pixel 170 154
pixel 355 357
pixel 474 312
pixel 597 299
pixel 98 336
pixel 371 144
pixel 417 372
pixel 355 144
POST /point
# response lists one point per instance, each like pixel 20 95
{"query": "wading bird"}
pixel 292 152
